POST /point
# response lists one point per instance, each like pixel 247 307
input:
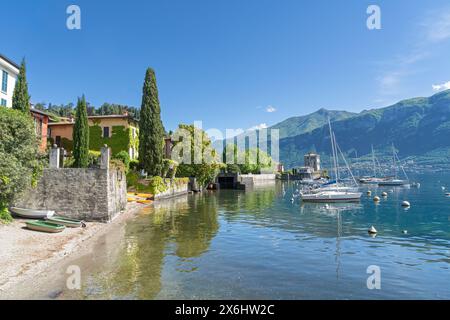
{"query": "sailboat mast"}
pixel 332 150
pixel 393 158
pixel 374 165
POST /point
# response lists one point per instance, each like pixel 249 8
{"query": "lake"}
pixel 259 245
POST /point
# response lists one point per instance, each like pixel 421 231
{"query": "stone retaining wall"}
pixel 87 194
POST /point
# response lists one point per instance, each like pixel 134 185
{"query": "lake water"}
pixel 260 245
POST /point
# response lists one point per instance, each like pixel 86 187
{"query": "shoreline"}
pixel 26 253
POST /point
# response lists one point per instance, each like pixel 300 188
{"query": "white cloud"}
pixel 435 28
pixel 270 109
pixel 438 27
pixel 258 127
pixel 442 86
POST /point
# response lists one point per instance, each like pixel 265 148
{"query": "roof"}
pixel 41 112
pixel 112 116
pixel 9 61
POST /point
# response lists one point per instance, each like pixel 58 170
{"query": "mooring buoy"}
pixel 372 230
pixel 406 204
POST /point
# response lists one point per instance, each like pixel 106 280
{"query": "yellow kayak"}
pixel 144 195
pixel 131 199
pixel 144 201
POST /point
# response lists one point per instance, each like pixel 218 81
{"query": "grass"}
pixel 5 216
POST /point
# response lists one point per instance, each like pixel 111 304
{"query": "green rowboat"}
pixel 45 226
pixel 71 223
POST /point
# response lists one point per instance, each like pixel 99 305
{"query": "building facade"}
pixel 312 160
pixel 119 132
pixel 9 72
pixel 41 120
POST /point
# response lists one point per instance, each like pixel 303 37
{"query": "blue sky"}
pixel 228 63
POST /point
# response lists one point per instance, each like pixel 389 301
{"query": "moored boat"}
pixel 45 226
pixel 71 223
pixel 332 196
pixel 32 213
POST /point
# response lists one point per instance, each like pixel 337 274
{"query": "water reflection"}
pixel 259 244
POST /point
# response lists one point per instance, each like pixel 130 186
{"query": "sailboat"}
pixel 394 181
pixel 336 192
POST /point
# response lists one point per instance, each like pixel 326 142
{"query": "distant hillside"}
pixel 418 127
pixel 298 125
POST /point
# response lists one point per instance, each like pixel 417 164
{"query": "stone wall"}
pixel 173 190
pixel 87 194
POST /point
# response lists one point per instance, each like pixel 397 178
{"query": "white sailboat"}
pixel 373 179
pixel 337 192
pixel 394 181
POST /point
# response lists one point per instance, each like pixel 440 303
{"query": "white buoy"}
pixel 376 198
pixel 443 188
pixel 405 231
pixel 406 204
pixel 384 194
pixel 372 230
pixel 369 193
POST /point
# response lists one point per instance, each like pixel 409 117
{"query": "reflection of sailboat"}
pixel 337 193
pixel 394 181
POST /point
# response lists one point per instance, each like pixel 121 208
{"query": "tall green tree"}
pixel 21 98
pixel 81 135
pixel 151 130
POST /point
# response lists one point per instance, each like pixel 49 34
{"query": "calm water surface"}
pixel 259 245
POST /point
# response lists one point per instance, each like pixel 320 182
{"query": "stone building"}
pixel 312 160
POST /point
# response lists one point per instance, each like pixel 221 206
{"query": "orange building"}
pixel 119 132
pixel 41 121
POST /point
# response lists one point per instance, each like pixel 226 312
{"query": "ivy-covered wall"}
pixel 121 139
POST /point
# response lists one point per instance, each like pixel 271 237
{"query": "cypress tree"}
pixel 21 98
pixel 151 130
pixel 81 135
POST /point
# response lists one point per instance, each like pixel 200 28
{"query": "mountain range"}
pixel 419 128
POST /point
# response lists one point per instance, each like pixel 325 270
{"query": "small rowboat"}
pixel 71 223
pixel 32 213
pixel 45 226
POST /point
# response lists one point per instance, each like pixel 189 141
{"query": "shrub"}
pixel 134 165
pixel 5 217
pixel 125 158
pixel 20 164
pixel 117 165
pixel 93 158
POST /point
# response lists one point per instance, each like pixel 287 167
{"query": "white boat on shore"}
pixel 32 213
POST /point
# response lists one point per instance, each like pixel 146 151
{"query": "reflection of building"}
pixel 312 160
pixel 119 132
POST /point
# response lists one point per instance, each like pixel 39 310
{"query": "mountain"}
pixel 419 128
pixel 298 125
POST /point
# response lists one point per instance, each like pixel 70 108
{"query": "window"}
pixel 105 132
pixel 3 103
pixel 5 81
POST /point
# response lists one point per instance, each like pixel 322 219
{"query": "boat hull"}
pixel 45 227
pixel 336 197
pixel 32 213
pixel 71 223
pixel 393 183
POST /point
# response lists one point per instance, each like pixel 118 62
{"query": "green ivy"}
pixel 120 140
